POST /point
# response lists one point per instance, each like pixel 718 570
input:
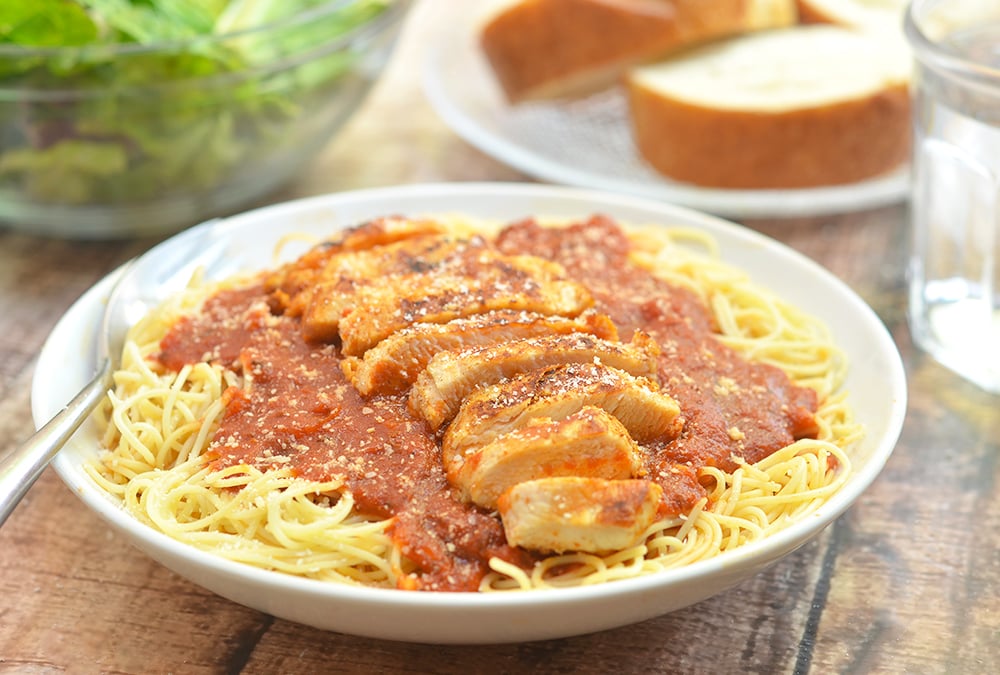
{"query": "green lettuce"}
pixel 149 102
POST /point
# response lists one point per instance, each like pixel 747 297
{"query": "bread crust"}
pixel 842 142
pixel 551 48
pixel 850 13
pixel 810 13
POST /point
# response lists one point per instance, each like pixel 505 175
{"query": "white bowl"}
pixel 876 386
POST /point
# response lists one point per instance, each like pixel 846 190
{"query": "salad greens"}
pixel 162 97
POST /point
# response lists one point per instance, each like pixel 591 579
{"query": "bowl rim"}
pixel 306 16
pixel 390 16
pixel 765 551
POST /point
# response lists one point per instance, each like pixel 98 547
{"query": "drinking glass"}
pixel 954 270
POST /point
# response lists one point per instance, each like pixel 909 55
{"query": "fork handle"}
pixel 22 467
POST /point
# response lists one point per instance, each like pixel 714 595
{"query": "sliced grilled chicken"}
pixel 385 230
pixel 579 514
pixel 335 291
pixel 556 392
pixel 589 443
pixel 451 376
pixel 466 284
pixel 289 281
pixel 394 363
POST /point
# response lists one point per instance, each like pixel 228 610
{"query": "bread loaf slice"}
pixel 861 14
pixel 799 107
pixel 553 48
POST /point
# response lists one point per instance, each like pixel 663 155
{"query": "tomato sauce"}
pixel 300 411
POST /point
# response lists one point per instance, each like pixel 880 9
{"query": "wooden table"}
pixel 908 580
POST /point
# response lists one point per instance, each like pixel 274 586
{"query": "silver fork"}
pixel 142 284
pixel 21 468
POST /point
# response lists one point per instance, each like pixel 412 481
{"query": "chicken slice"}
pixel 579 514
pixel 589 443
pixel 451 376
pixel 393 364
pixel 289 281
pixel 385 230
pixel 335 289
pixel 466 284
pixel 556 392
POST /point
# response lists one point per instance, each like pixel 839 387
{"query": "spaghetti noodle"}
pixel 161 462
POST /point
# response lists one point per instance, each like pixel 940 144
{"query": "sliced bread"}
pixel 863 14
pixel 554 48
pixel 799 107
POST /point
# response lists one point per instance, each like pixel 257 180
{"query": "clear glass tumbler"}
pixel 954 273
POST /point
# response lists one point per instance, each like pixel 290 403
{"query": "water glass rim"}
pixel 930 52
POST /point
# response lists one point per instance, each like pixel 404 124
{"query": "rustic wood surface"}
pixel 908 580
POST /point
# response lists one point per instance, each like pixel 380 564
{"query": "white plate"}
pixel 876 384
pixel 588 142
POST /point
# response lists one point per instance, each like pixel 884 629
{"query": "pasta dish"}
pixel 437 404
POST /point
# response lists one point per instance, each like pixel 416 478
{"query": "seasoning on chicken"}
pixel 335 292
pixel 393 364
pixel 467 283
pixel 588 443
pixel 290 285
pixel 453 375
pixel 556 392
pixel 579 514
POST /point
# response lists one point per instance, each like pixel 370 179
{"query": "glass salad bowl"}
pixel 123 118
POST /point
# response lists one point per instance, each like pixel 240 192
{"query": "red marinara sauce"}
pixel 300 411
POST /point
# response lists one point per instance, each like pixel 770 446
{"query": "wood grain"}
pixel 908 580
